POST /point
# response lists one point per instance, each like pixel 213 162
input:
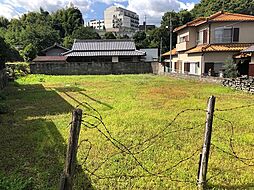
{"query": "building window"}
pixel 205 36
pixel 187 67
pixel 226 35
pixel 202 36
pixel 184 39
pixel 177 67
pixel 236 32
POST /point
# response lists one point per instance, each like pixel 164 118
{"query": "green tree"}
pixel 29 52
pixel 3 55
pixel 141 40
pixel 109 35
pixel 154 36
pixel 125 36
pixel 85 33
pixel 230 69
pixel 7 53
pixel 32 28
pixel 4 22
pixel 178 19
pixel 209 7
pixel 66 21
pixel 68 41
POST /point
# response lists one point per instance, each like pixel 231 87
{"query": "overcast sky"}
pixel 93 9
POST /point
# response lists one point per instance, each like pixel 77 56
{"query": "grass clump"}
pixel 15 182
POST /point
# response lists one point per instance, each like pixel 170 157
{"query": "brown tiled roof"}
pixel 232 17
pixel 219 48
pixel 217 17
pixel 174 52
pixel 50 59
pixel 242 55
pixel 249 49
pixel 195 22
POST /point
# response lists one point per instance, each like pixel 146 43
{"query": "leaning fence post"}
pixel 66 178
pixel 207 143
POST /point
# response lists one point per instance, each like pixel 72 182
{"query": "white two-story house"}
pixel 205 44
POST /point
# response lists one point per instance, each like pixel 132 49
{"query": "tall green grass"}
pixel 134 107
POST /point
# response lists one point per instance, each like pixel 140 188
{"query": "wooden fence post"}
pixel 66 178
pixel 207 143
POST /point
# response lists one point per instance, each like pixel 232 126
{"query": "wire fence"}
pixel 169 155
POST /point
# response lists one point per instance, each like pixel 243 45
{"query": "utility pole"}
pixel 160 48
pixel 170 47
pixel 145 24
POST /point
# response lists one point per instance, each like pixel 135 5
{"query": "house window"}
pixel 236 34
pixel 226 35
pixel 205 36
pixel 187 67
pixel 202 37
pixel 176 67
pixel 184 39
pixel 198 38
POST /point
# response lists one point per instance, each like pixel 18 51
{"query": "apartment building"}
pixel 205 44
pixel 120 20
pixel 97 24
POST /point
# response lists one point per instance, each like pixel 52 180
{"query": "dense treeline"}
pixel 208 7
pixel 35 31
pixel 27 36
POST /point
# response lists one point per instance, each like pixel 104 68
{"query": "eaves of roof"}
pixel 219 48
pixel 73 53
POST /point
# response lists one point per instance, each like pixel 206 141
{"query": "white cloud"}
pixel 108 2
pixel 187 6
pixel 119 5
pixel 8 8
pixel 7 11
pixel 152 9
pixel 155 9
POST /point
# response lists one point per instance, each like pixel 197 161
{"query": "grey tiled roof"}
pixel 249 49
pixel 100 45
pixel 103 53
pixel 92 48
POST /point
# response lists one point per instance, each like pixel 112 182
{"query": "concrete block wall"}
pixel 92 68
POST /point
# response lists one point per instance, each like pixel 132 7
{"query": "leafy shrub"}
pixel 17 69
pixel 230 69
pixel 29 52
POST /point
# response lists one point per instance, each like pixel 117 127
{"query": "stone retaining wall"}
pixel 82 68
pixel 243 83
pixel 209 79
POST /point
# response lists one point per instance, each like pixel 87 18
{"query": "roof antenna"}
pixel 223 6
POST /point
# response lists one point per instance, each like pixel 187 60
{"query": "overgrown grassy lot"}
pixel 134 108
